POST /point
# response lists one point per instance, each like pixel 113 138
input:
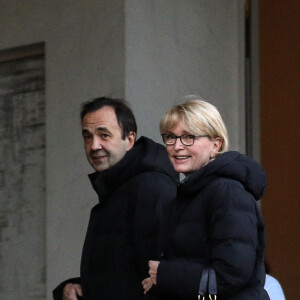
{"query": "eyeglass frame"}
pixel 180 138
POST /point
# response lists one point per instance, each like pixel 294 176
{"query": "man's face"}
pixel 102 137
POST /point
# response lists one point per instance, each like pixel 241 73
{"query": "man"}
pixel 135 182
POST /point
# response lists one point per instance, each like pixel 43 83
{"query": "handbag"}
pixel 208 284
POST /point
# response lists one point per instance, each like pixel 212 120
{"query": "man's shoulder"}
pixel 153 177
pixel 148 158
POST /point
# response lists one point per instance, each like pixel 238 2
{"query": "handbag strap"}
pixel 203 283
pixel 208 284
pixel 212 284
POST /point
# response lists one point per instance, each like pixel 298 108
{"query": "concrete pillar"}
pixel 175 48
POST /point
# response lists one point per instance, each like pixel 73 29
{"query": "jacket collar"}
pixel 231 165
pixel 145 156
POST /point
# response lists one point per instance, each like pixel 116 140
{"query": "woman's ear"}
pixel 217 144
pixel 130 139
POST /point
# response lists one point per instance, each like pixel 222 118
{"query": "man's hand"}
pixel 147 284
pixel 71 291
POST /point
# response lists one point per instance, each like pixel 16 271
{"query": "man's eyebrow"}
pixel 98 129
pixel 85 131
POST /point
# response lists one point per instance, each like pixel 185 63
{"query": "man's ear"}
pixel 130 140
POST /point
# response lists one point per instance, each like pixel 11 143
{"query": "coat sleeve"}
pixel 154 193
pixel 234 237
pixel 179 278
pixel 232 225
pixel 58 291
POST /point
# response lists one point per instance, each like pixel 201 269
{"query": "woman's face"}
pixel 188 159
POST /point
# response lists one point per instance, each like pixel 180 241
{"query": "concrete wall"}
pixel 151 53
pixel 175 48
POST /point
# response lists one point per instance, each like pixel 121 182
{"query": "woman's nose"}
pixel 178 144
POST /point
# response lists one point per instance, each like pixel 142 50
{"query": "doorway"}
pixel 22 173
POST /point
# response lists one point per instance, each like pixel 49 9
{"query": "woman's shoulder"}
pixel 223 185
pixel 224 194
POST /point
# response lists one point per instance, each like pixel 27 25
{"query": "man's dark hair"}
pixel 123 112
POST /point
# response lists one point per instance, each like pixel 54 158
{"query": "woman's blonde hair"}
pixel 196 117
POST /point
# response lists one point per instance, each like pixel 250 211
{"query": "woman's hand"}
pixel 149 281
pixel 153 265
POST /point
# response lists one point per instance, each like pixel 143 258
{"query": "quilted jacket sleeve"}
pixel 234 237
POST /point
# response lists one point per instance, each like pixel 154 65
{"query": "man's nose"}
pixel 96 144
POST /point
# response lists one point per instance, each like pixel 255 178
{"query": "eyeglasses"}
pixel 186 139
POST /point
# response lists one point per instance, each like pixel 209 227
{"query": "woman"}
pixel 215 221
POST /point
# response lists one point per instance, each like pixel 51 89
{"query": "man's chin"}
pixel 100 168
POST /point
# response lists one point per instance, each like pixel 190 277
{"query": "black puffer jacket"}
pixel 216 222
pixel 124 228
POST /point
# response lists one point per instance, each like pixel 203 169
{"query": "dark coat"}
pixel 216 222
pixel 124 228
